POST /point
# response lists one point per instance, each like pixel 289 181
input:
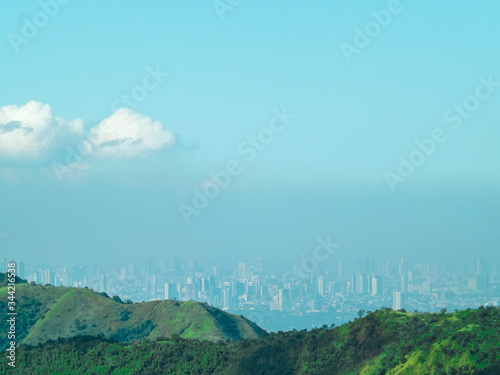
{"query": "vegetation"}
pixel 382 342
pixel 4 280
pixel 49 313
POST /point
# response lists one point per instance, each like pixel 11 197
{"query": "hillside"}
pixel 48 312
pixel 384 342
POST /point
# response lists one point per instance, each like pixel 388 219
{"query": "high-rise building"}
pixel 402 267
pixel 242 270
pixel 397 300
pixel 376 286
pixel 367 285
pixel 20 269
pixel 205 285
pixel 359 283
pixel 171 291
pixel 410 282
pixel 152 284
pixel 228 299
pixel 404 283
pixel 46 277
pixel 179 291
pixel 284 299
pixel 321 286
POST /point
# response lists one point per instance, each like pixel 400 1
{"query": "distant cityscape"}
pixel 300 299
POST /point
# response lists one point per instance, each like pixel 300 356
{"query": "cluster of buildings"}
pixel 325 294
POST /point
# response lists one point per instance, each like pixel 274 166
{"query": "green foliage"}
pixel 125 315
pixel 4 280
pixel 142 331
pixel 117 299
pixel 29 313
pixel 383 342
pixel 48 313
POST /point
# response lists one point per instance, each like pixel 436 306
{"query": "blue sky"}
pixel 325 173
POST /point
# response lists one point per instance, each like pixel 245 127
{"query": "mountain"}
pixel 48 313
pixel 383 342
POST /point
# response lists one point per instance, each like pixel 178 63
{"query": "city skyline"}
pixel 330 293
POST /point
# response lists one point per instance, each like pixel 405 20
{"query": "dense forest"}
pixel 382 342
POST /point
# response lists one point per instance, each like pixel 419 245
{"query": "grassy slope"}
pixel 48 312
pixel 440 343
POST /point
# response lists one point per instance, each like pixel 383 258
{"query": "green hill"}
pixel 384 342
pixel 48 313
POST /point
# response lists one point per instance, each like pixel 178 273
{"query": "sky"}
pixel 224 130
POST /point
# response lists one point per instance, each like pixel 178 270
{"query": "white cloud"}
pixel 26 131
pixel 126 134
pixel 31 131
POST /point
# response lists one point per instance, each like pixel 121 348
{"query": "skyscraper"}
pixel 284 299
pixel 321 287
pixel 376 286
pixel 171 291
pixel 242 270
pixel 397 300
